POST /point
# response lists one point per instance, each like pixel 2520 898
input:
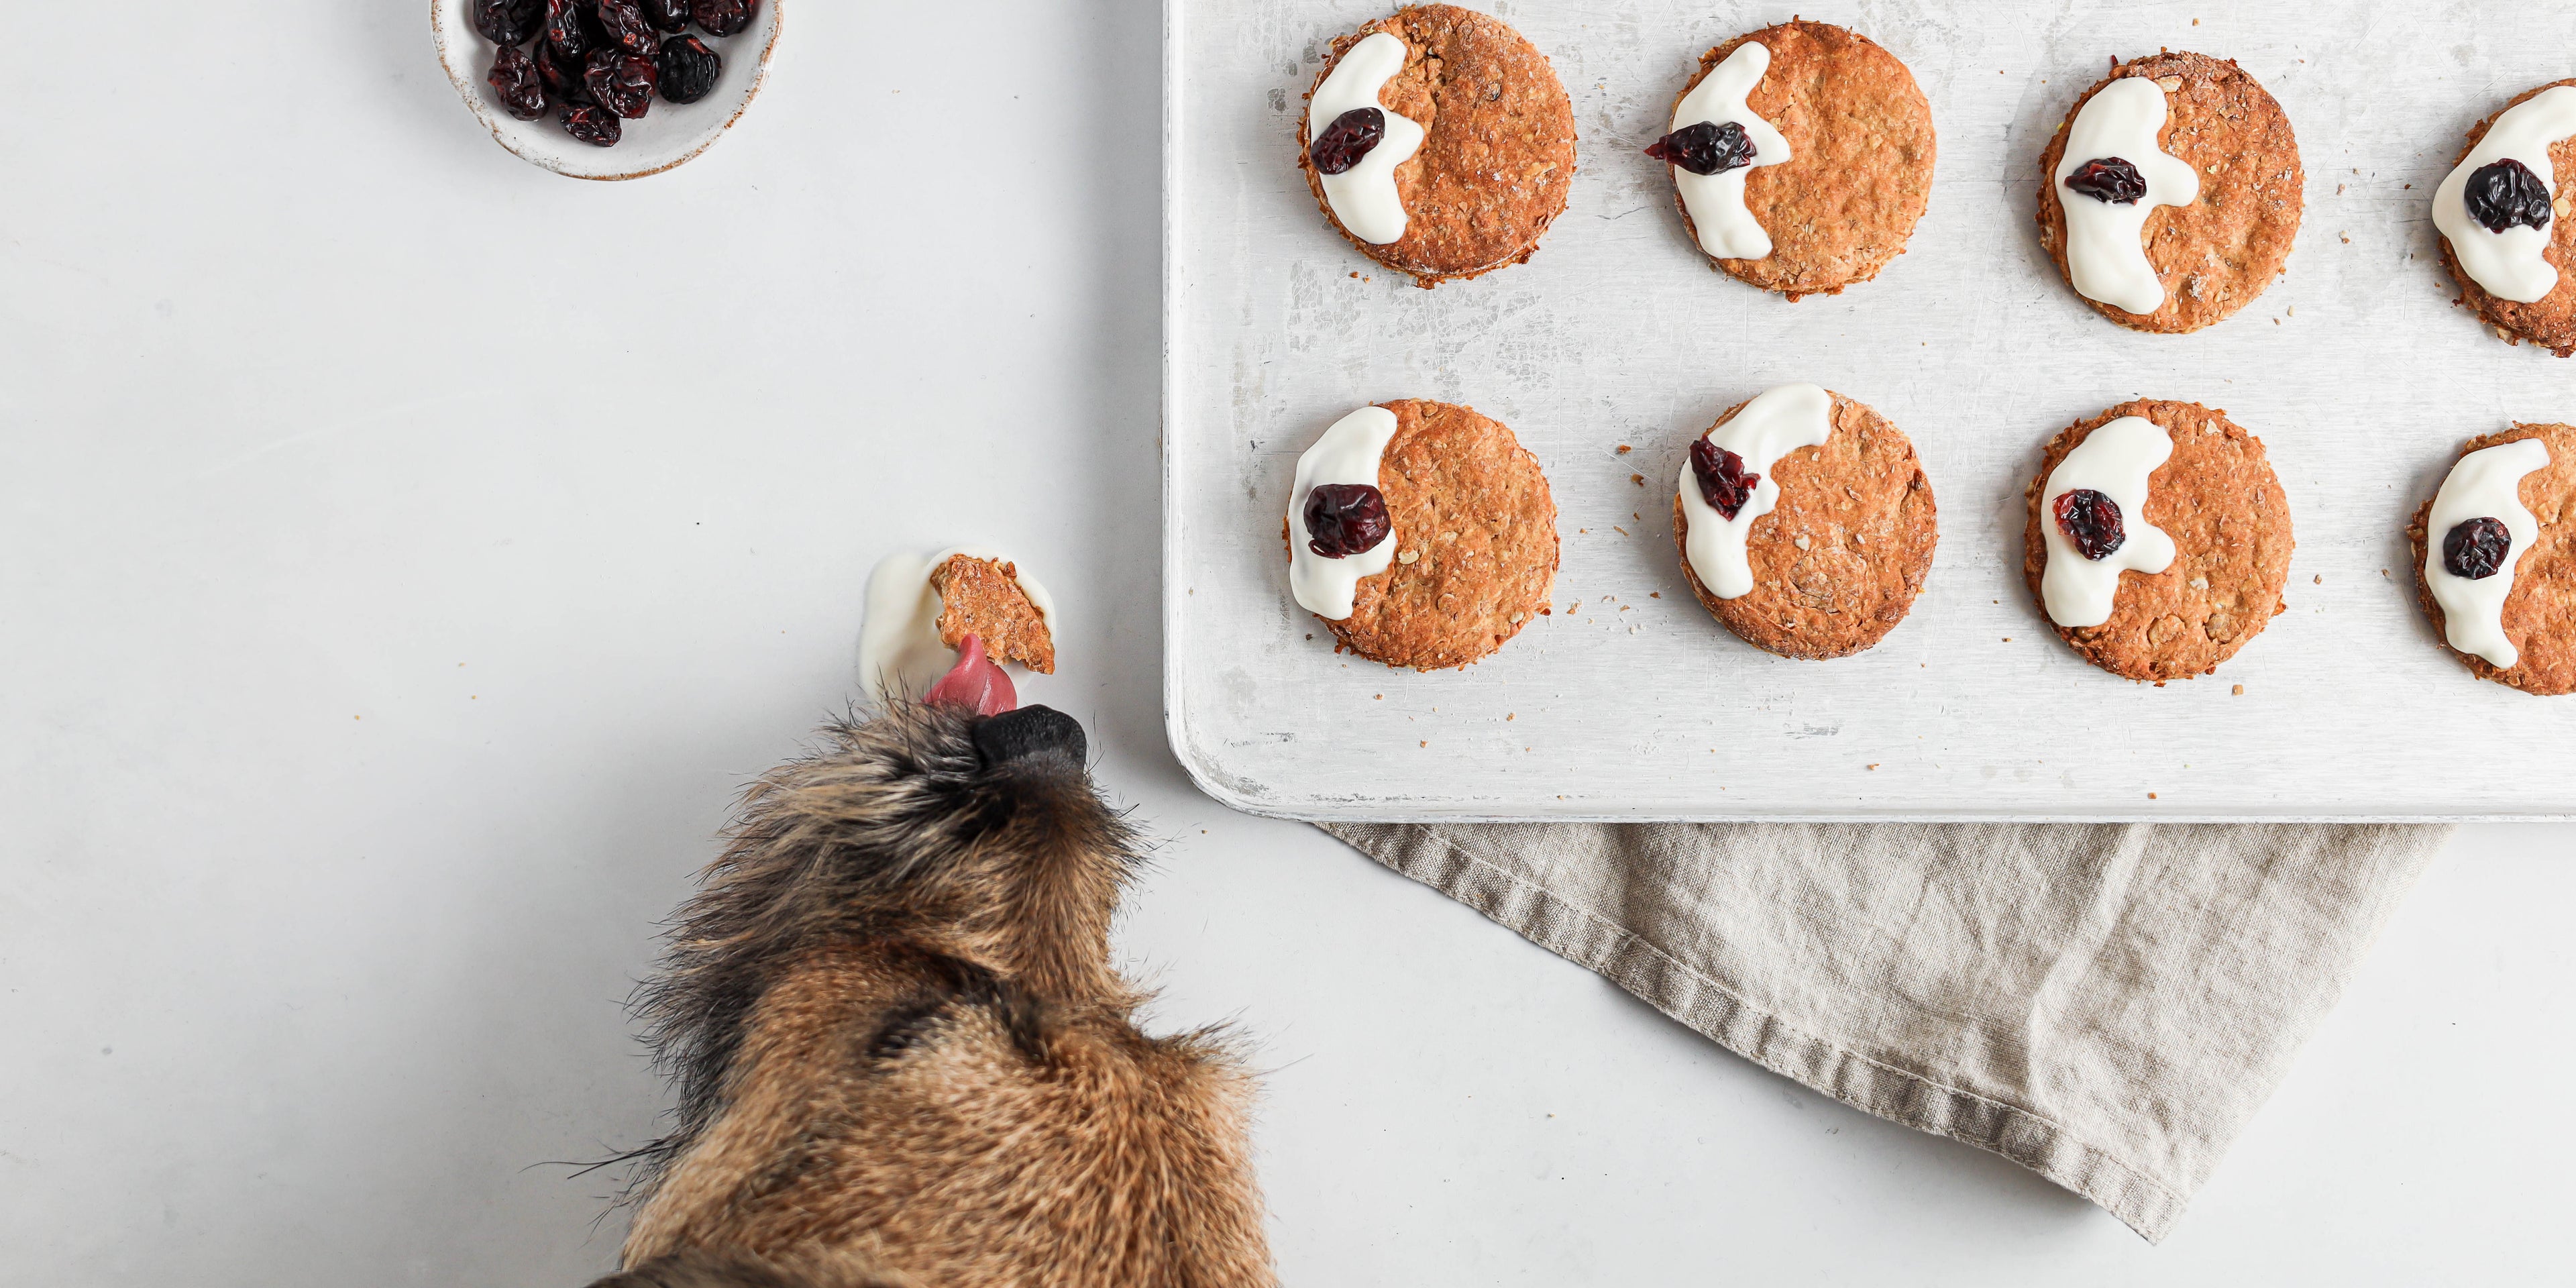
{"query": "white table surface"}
pixel 399 572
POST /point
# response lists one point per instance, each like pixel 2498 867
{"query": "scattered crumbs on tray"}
pixel 1624 449
pixel 2238 691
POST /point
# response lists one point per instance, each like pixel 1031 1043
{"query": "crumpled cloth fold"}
pixel 2106 1005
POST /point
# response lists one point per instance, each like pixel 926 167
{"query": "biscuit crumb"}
pixel 1638 479
pixel 982 597
pixel 1620 530
pixel 2347 238
pixel 1509 715
pixel 2320 578
pixel 1381 697
pixel 2238 691
pixel 1624 449
pixel 1873 766
pixel 1654 594
pixel 1424 743
pixel 2150 795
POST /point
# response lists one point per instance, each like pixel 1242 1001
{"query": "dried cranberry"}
pixel 689 69
pixel 621 82
pixel 724 17
pixel 2476 549
pixel 1352 135
pixel 2505 194
pixel 2092 521
pixel 1723 481
pixel 2109 179
pixel 666 15
pixel 515 78
pixel 1705 148
pixel 568 31
pixel 626 28
pixel 592 124
pixel 1345 519
pixel 508 22
pixel 562 75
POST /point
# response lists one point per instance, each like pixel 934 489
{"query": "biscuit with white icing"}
pixel 2214 255
pixel 2218 499
pixel 1859 173
pixel 1839 559
pixel 1474 529
pixel 2539 614
pixel 983 598
pixel 2549 321
pixel 1496 157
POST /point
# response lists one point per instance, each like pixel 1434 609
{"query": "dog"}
pixel 901 1052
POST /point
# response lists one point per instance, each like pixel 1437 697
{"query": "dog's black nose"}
pixel 1030 731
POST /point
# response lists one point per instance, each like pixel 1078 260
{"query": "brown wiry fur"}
pixel 904 1057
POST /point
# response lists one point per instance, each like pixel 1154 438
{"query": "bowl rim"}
pixel 470 90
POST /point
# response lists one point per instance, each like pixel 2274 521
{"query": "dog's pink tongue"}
pixel 975 683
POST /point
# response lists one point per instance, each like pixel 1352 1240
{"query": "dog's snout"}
pixel 1030 731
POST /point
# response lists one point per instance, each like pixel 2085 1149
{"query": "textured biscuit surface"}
pixel 1475 539
pixel 1860 158
pixel 2218 253
pixel 2549 321
pixel 1497 154
pixel 1838 561
pixel 982 597
pixel 2217 497
pixel 2540 614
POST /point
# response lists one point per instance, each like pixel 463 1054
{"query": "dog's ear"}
pixel 821 1269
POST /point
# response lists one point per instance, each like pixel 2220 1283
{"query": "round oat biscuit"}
pixel 2218 253
pixel 2540 613
pixel 2549 321
pixel 1497 154
pixel 1859 171
pixel 1838 560
pixel 2217 497
pixel 1474 528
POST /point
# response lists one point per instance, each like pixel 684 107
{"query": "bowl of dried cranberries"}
pixel 606 89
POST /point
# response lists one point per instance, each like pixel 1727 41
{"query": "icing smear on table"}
pixel 900 655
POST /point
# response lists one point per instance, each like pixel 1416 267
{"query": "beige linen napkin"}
pixel 2103 1004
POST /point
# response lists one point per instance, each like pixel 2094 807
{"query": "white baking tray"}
pixel 2355 369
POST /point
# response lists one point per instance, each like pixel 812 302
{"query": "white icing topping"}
pixel 1364 197
pixel 2486 484
pixel 1775 423
pixel 2116 461
pixel 899 650
pixel 2507 264
pixel 1716 201
pixel 1347 453
pixel 2106 253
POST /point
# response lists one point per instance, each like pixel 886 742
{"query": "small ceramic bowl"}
pixel 666 136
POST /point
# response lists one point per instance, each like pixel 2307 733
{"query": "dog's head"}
pixel 969 825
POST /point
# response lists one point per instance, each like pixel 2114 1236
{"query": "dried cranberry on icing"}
pixel 2109 179
pixel 515 78
pixel 1352 135
pixel 621 82
pixel 1705 148
pixel 2476 549
pixel 1345 519
pixel 2505 194
pixel 2092 521
pixel 1723 480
